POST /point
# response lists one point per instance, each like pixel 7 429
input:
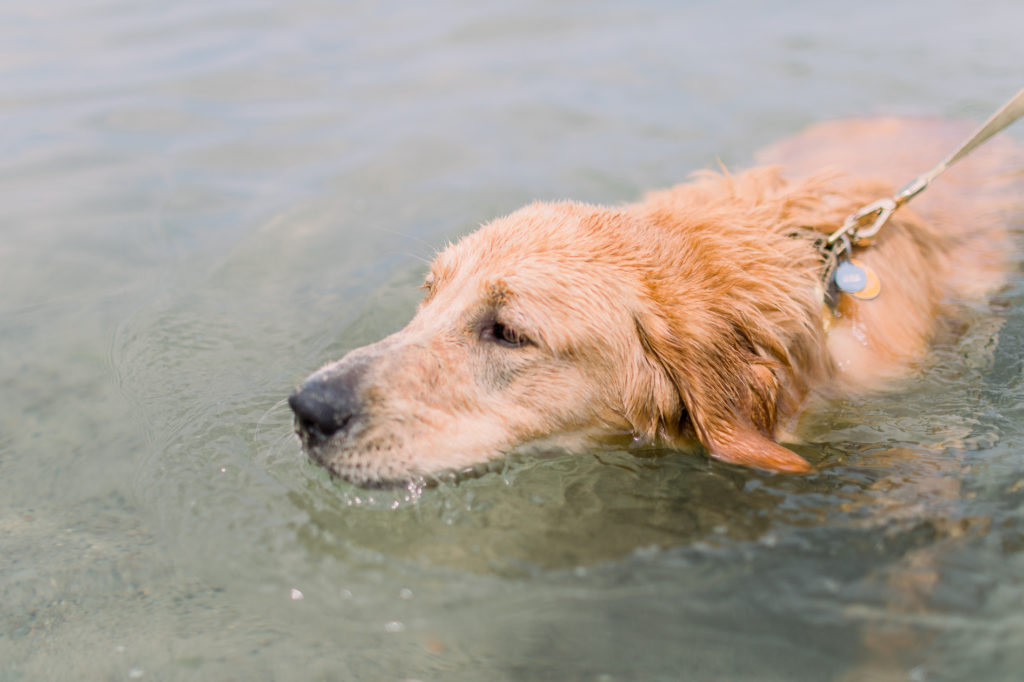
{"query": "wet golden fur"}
pixel 692 313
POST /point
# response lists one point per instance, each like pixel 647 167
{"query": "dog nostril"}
pixel 320 410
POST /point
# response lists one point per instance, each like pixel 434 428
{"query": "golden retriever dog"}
pixel 696 313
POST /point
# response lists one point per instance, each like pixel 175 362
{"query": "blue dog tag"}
pixel 850 277
pixel 857 279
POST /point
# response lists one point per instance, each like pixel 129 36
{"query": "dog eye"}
pixel 507 336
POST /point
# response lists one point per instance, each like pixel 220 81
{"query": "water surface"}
pixel 202 202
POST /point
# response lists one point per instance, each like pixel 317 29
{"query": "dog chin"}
pixel 373 471
pixel 385 478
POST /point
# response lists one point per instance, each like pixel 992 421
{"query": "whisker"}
pixel 404 235
pixel 275 406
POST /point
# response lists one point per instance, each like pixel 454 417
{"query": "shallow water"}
pixel 203 202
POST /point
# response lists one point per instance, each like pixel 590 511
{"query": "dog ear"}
pixel 729 391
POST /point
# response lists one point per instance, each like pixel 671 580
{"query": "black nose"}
pixel 324 406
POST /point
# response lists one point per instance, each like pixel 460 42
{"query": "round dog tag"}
pixel 857 279
pixel 850 277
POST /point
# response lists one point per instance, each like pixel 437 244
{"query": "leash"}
pixel 844 273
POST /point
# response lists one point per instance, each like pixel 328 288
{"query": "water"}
pixel 204 201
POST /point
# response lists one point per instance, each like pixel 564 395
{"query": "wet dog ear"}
pixel 729 392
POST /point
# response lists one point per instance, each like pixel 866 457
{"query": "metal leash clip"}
pixel 880 210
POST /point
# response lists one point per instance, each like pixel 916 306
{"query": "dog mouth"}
pixel 420 481
pixel 318 448
pixel 451 476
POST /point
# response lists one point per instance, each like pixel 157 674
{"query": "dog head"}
pixel 560 320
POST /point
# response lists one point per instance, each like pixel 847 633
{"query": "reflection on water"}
pixel 203 202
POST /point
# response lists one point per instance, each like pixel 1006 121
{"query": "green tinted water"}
pixel 202 203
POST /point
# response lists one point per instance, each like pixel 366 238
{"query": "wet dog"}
pixel 695 313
